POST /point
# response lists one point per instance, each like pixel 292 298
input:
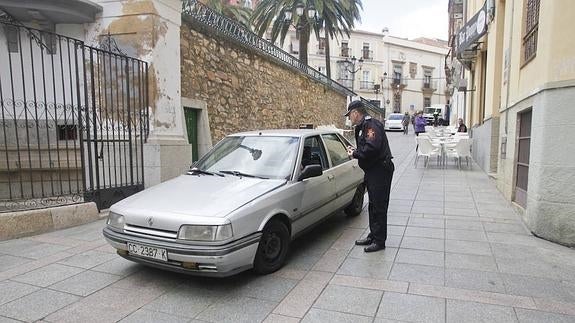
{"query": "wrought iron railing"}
pixel 73 120
pixel 225 26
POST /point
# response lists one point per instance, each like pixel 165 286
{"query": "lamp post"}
pixel 306 16
pixel 349 66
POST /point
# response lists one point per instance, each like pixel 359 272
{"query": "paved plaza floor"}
pixel 456 252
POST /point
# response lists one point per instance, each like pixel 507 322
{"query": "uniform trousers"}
pixel 378 182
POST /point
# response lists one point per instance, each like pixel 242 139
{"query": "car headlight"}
pixel 205 232
pixel 116 220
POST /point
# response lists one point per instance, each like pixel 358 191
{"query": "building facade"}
pixel 514 87
pixel 398 74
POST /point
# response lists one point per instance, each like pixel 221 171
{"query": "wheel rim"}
pixel 272 246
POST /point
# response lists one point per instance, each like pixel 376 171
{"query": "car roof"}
pixel 286 132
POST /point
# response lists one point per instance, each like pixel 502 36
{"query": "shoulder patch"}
pixel 370 133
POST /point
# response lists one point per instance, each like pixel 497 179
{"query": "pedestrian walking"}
pixel 374 157
pixel 405 123
pixel 420 123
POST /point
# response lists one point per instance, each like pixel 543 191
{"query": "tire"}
pixel 273 248
pixel 356 205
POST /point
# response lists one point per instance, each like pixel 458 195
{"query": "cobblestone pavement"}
pixel 456 252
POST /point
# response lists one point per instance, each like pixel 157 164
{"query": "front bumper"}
pixel 205 260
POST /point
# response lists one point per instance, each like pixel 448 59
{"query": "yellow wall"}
pixel 555 58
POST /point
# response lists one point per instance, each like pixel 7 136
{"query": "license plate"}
pixel 147 251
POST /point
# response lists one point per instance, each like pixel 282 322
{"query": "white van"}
pixel 441 110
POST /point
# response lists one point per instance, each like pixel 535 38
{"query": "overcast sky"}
pixel 406 18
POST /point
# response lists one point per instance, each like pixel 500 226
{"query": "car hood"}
pixel 201 196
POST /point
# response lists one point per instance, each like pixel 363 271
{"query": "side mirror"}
pixel 310 171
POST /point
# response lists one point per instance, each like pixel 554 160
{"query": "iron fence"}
pixel 74 119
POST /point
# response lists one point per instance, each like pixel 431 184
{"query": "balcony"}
pixel 366 85
pixel 429 86
pixel 399 82
pixel 367 54
pixel 348 83
pixel 345 52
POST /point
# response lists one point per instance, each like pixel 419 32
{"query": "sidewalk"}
pixel 456 252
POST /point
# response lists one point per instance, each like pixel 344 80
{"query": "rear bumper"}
pixel 218 261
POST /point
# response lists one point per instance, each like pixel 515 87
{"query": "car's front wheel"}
pixel 273 248
pixel 356 205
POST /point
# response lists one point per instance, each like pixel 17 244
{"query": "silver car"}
pixel 240 205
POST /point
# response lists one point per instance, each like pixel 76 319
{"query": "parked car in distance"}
pixel 393 122
pixel 240 205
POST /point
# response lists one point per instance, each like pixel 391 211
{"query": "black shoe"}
pixel 364 242
pixel 374 247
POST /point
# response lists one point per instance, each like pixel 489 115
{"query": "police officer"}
pixel 374 157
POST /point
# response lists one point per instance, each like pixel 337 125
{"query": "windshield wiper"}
pixel 240 174
pixel 194 171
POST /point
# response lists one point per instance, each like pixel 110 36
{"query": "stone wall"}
pixel 245 90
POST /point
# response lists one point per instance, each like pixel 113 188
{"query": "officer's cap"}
pixel 353 105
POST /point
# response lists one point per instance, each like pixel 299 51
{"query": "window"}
pixel 313 149
pixel 366 53
pixel 337 152
pixel 67 132
pixel 531 23
pixel 426 102
pixel 427 73
pixel 366 80
pixel 12 38
pixel 397 72
pixel 345 50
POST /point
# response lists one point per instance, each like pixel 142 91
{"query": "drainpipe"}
pixel 503 143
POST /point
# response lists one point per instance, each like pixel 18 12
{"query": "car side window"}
pixel 314 153
pixel 336 148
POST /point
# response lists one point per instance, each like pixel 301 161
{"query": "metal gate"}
pixel 74 119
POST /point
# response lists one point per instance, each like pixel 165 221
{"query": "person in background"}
pixel 374 157
pixel 462 126
pixel 420 123
pixel 405 123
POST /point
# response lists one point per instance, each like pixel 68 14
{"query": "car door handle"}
pixel 330 177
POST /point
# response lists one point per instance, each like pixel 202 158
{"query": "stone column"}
pixel 150 31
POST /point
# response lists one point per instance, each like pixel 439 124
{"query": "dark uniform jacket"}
pixel 372 145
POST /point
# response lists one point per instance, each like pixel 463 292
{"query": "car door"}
pixel 317 193
pixel 346 171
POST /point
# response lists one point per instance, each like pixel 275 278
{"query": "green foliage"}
pixel 334 17
pixel 239 13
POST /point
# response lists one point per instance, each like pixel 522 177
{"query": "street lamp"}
pixel 350 67
pixel 302 22
pixel 299 11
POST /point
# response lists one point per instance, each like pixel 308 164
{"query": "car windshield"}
pixel 260 156
pixel 395 117
pixel 430 110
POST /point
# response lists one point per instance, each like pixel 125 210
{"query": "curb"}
pixel 26 223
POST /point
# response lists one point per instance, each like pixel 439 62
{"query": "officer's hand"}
pixel 350 151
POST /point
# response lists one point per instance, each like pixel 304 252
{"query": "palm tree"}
pixel 335 17
pixel 239 13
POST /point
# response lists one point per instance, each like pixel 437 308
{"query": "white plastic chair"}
pixel 426 149
pixel 462 149
pixel 429 129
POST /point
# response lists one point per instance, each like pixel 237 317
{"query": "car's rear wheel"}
pixel 356 205
pixel 273 248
